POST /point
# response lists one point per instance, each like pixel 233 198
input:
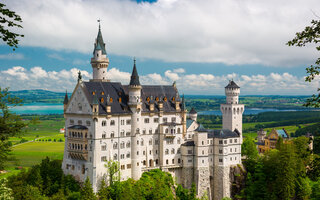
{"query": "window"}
pixel 230 141
pixel 122 167
pixel 235 140
pixel 103 158
pixel 173 119
pixel 220 151
pixel 146 120
pixel 112 135
pixel 104 136
pixel 128 134
pixel 235 149
pixel 202 152
pixel 144 153
pixel 122 156
pixel 128 144
pixel 172 161
pixel 167 151
pixel 128 166
pixel 122 145
pixel 178 151
pixel 103 123
pixel 220 142
pixel 80 122
pixel 179 160
pixel 150 131
pixel 220 160
pixel 189 161
pixel 150 142
pixel 71 121
pixel 141 142
pixel 122 122
pixel 115 157
pixel 137 154
pixel 88 123
pixel 156 120
pixel 230 158
pixel 167 162
pixel 202 161
pixel 202 142
pixel 179 141
pixel 189 151
pixel 103 148
pixel 230 149
pixel 165 119
pixel 179 130
pixel 122 133
pixel 225 141
pixel 156 141
pixel 172 151
pixel 144 132
pixel 167 130
pixel 128 122
pixel 115 145
pixel 112 123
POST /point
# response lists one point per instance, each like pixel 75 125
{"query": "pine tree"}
pixel 87 191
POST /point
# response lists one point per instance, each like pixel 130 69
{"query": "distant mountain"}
pixel 39 96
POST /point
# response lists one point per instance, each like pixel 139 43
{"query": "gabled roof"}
pixel 134 80
pixel 223 133
pixel 282 133
pixel 116 91
pixel 188 143
pixel 232 84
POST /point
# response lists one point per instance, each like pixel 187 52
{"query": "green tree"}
pixel 5 192
pixel 249 149
pixel 315 190
pixel 87 191
pixel 113 171
pixel 303 188
pixel 310 34
pixel 9 19
pixel 10 123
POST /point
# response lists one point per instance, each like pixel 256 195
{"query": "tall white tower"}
pixel 135 106
pixel 232 111
pixel 99 61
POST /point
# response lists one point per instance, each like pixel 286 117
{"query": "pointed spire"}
pixel 66 100
pixel 183 104
pixel 79 76
pixel 100 45
pixel 134 76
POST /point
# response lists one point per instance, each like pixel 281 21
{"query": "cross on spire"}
pixel 99 20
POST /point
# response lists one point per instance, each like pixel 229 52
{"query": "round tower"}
pixel 99 60
pixel 232 111
pixel 135 106
pixel 232 93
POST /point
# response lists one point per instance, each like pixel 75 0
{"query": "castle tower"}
pixel 232 111
pixel 99 61
pixel 65 102
pixel 135 106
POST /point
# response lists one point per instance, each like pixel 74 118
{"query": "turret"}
pixel 99 60
pixel 135 106
pixel 193 114
pixel 232 93
pixel 184 116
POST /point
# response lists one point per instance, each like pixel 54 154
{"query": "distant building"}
pixel 146 127
pixel 265 143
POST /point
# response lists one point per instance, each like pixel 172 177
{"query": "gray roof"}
pixel 193 111
pixel 188 143
pixel 116 91
pixel 224 133
pixel 232 84
pixel 80 127
pixel 134 80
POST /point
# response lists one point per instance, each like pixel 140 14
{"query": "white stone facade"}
pixel 144 128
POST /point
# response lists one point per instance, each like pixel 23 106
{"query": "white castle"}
pixel 144 127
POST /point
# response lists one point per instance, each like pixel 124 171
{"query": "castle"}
pixel 144 127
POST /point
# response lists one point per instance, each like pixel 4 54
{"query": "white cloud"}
pixel 230 32
pixel 19 78
pixel 179 70
pixel 11 56
pixel 55 56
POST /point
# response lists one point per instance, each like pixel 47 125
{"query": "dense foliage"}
pixel 289 172
pixel 310 34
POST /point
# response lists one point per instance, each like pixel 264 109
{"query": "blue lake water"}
pixel 46 109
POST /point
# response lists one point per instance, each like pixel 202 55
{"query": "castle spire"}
pixel 66 100
pixel 134 76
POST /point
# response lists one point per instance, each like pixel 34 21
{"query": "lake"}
pixel 47 108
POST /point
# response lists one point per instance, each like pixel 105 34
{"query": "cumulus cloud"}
pixel 19 78
pixel 230 32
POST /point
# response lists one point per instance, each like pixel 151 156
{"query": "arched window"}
pixel 173 151
pixel 128 144
pixel 167 131
pixel 122 145
pixel 141 142
pixel 179 130
pixel 167 151
pixel 115 156
pixel 115 145
pixel 150 142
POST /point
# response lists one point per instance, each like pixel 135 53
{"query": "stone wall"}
pixel 221 182
pixel 187 177
pixel 202 180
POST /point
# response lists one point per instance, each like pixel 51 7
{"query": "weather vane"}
pixel 99 20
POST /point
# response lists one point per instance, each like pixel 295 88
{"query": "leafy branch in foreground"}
pixel 310 34
pixel 9 19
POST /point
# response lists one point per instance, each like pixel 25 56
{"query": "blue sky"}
pixel 198 44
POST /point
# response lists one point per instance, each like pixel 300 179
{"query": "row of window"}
pixel 226 141
pixel 88 123
pixel 230 150
pixel 74 146
pixel 231 158
pixel 77 134
pixel 173 151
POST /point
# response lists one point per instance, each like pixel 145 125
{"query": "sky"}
pixel 199 44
